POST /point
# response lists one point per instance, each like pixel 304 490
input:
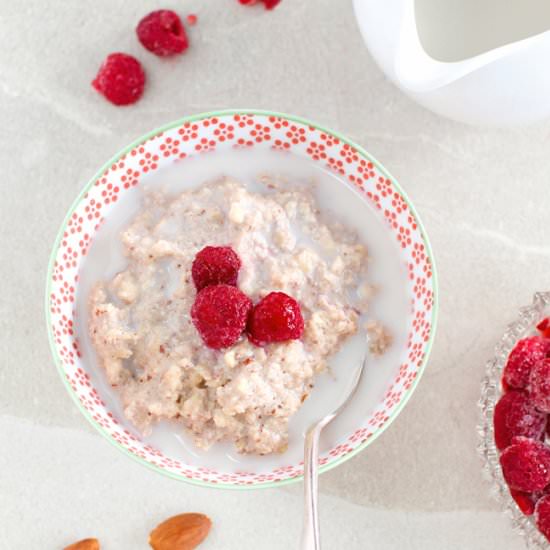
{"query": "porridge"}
pixel 146 328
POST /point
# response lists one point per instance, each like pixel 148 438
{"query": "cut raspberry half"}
pixel 275 318
pixel 515 415
pixel 523 357
pixel 219 314
pixel 215 265
pixel 162 33
pixel 120 79
pixel 542 516
pixel 539 385
pixel 526 465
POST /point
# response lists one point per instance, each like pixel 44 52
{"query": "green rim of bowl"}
pixel 198 117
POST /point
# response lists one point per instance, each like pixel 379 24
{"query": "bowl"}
pixel 356 187
pixel 491 391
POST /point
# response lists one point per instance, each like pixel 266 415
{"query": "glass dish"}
pixel 491 391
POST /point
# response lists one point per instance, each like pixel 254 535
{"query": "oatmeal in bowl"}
pixel 177 332
pixel 209 298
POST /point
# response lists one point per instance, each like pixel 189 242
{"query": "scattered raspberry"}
pixel 525 354
pixel 162 33
pixel 269 4
pixel 525 501
pixel 539 385
pixel 219 314
pixel 544 327
pixel 542 516
pixel 192 19
pixel 215 265
pixel 120 79
pixel 526 465
pixel 515 415
pixel 275 318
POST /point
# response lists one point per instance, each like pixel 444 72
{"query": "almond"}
pixel 86 544
pixel 182 532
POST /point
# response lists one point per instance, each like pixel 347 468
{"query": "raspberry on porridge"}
pixel 149 332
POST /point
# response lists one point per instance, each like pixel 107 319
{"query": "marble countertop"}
pixel 481 193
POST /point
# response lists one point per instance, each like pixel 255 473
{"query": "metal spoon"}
pixel 310 529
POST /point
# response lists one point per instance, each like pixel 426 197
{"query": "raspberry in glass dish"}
pixel 526 465
pixel 526 501
pixel 542 516
pixel 162 33
pixel 516 415
pixel 523 357
pixel 120 79
pixel 539 385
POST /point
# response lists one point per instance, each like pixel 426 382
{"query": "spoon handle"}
pixel 310 528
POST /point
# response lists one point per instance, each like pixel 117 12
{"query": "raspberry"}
pixel 269 4
pixel 542 516
pixel 215 265
pixel 525 501
pixel 162 33
pixel 192 19
pixel 526 465
pixel 275 318
pixel 544 327
pixel 539 385
pixel 516 415
pixel 525 354
pixel 219 314
pixel 120 79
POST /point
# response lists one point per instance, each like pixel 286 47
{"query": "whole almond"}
pixel 86 544
pixel 182 532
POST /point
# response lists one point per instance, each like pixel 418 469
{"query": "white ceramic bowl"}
pixel 354 186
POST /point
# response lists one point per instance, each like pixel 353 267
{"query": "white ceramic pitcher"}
pixel 506 85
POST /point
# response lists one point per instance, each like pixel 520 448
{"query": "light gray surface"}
pixel 483 195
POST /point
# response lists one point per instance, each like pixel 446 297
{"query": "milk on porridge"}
pixel 141 328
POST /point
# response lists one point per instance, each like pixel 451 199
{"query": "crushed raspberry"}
pixel 120 79
pixel 269 4
pixel 525 354
pixel 544 327
pixel 162 33
pixel 192 19
pixel 515 415
pixel 525 501
pixel 275 318
pixel 215 265
pixel 526 465
pixel 542 516
pixel 219 314
pixel 539 385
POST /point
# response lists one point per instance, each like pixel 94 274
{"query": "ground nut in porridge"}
pixel 142 330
